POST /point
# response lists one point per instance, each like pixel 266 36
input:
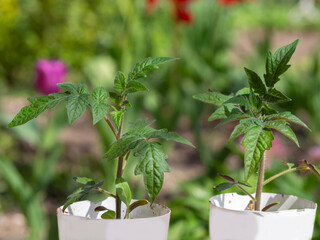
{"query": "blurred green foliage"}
pixel 98 37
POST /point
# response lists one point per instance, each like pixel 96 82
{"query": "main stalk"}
pixel 260 182
pixel 118 201
pixel 119 171
pixel 117 134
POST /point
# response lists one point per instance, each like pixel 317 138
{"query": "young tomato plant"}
pixel 140 140
pixel 252 107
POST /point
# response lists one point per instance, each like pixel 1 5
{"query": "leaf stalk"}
pixel 285 172
pixel 246 192
pixel 105 192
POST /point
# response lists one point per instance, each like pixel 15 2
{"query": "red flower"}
pixel 229 2
pixel 150 5
pixel 181 11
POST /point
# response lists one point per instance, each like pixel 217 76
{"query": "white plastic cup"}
pixel 81 222
pixel 292 219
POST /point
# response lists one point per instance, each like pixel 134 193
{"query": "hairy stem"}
pixel 284 172
pixel 113 129
pixel 120 166
pixel 260 183
pixel 119 174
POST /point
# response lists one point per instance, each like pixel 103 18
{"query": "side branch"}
pixel 113 129
pixel 284 172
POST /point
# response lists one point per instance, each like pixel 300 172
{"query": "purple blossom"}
pixel 48 74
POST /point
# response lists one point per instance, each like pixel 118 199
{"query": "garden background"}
pixel 214 40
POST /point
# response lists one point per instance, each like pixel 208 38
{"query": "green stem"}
pixel 284 172
pixel 120 165
pixel 125 159
pixel 113 129
pixel 105 192
pixel 260 183
pixel 119 175
pixel 246 192
pixel 127 213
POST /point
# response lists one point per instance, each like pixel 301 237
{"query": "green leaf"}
pixel 290 165
pixel 80 193
pixel 100 95
pixel 255 101
pixel 123 191
pixel 267 110
pixel 164 134
pixel 115 97
pixel 224 186
pixel 120 82
pixel 233 117
pixel 141 68
pixel 73 88
pixel 38 105
pixel 126 103
pixel 276 64
pixel 137 204
pixel 84 180
pixel 283 128
pixel 140 124
pixel 243 91
pixel 41 99
pixel 152 165
pixel 243 126
pixel 212 98
pixel 109 215
pixel 76 106
pixel 287 116
pixel 122 146
pixel 255 82
pixel 241 100
pixel 135 86
pixel 220 112
pixel 76 195
pixel 255 142
pixel 99 107
pixel 275 96
pixel 58 97
pixel 116 117
pixel 98 110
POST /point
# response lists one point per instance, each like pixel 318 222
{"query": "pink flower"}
pixel 48 74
